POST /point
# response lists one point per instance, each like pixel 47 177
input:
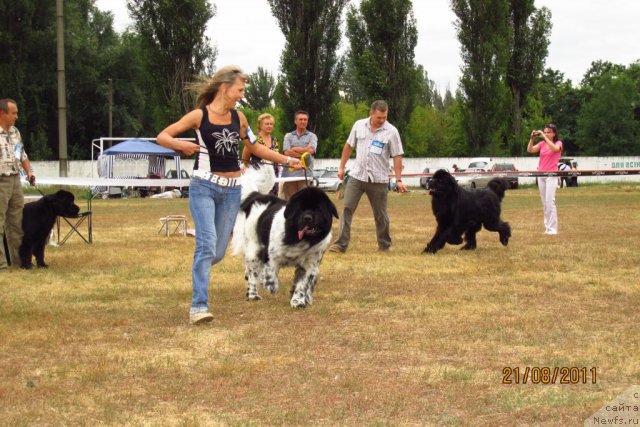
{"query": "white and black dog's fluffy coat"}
pixel 273 233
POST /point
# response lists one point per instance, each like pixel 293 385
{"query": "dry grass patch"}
pixel 397 338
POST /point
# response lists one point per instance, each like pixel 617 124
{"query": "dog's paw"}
pixel 26 266
pixel 271 286
pixel 468 247
pixel 430 249
pixel 456 240
pixel 43 265
pixel 504 237
pixel 253 297
pixel 298 300
pixel 252 293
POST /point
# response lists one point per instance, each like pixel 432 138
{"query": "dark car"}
pixel 424 180
pixel 505 167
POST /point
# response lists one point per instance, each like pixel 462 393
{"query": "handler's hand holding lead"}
pixel 294 163
pixel 189 148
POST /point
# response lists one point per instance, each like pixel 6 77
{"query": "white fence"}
pixel 87 168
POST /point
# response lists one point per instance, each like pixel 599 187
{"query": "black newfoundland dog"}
pixel 459 211
pixel 273 233
pixel 37 221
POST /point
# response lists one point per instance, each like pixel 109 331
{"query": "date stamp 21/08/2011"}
pixel 549 375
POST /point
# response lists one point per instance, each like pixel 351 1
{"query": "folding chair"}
pixel 75 224
pixel 173 224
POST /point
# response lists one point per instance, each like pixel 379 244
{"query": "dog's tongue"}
pixel 301 232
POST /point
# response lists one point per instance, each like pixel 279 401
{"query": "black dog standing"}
pixel 37 221
pixel 459 211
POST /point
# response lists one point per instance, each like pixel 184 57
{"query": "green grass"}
pixel 398 338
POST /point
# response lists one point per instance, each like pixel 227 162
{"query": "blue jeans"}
pixel 213 209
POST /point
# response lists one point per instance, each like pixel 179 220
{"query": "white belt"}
pixel 222 181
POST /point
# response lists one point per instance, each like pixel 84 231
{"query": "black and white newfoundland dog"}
pixel 272 233
pixel 37 222
pixel 459 211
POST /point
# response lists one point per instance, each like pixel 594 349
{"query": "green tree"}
pixel 447 101
pixel 348 114
pixel 427 94
pixel 633 72
pixel 561 103
pixel 426 133
pixel 27 58
pixel 484 34
pixel 27 46
pixel 350 87
pixel 89 35
pixel 456 144
pixel 177 51
pixel 606 124
pixel 310 66
pixel 382 37
pixel 528 51
pixel 260 90
pixel 597 69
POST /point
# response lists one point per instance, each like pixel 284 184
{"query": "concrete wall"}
pixel 87 169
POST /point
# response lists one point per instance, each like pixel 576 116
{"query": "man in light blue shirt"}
pixel 295 144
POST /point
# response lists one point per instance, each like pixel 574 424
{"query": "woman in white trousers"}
pixel 550 149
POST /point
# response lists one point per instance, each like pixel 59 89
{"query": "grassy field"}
pixel 398 338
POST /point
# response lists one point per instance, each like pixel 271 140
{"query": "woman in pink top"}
pixel 550 149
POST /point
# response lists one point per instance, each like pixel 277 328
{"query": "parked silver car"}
pixel 472 178
pixel 328 180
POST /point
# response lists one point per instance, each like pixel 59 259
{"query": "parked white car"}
pixel 483 163
pixel 472 178
pixel 328 180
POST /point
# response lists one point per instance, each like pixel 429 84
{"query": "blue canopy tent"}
pixel 137 149
pixel 133 158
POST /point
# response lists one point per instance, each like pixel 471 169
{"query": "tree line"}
pixel 142 76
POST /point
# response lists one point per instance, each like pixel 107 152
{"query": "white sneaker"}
pixel 200 317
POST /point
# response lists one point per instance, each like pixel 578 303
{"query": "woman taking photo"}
pixel 214 191
pixel 550 149
pixel 264 137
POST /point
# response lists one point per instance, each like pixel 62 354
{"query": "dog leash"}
pixel 36 187
pixel 304 161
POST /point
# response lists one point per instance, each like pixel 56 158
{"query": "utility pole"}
pixel 62 95
pixel 110 111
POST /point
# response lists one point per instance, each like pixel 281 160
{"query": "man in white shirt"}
pixel 376 141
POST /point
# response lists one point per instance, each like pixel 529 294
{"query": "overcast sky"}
pixel 246 34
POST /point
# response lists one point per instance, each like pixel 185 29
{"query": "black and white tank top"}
pixel 218 144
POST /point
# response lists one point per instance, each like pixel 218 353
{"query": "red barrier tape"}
pixel 525 174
